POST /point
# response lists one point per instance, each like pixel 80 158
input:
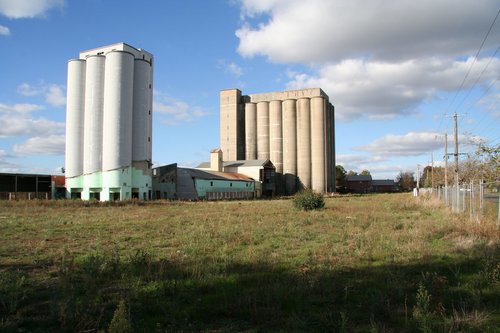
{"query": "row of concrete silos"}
pixel 109 121
pixel 297 136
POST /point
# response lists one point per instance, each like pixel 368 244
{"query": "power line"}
pixel 477 79
pixel 470 68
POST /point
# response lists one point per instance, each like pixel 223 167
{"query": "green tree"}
pixel 405 180
pixel 351 173
pixel 365 173
pixel 340 174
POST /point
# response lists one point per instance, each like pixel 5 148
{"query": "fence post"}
pixel 498 216
pixel 471 197
pixel 481 198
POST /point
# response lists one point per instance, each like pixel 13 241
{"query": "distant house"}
pixel 172 182
pixel 359 184
pixel 384 186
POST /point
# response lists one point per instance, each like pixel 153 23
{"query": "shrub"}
pixel 308 200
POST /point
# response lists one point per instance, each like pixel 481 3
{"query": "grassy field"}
pixel 381 263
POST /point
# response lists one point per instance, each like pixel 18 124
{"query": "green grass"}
pixel 381 263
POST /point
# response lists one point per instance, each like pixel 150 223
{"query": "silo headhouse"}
pixel 109 124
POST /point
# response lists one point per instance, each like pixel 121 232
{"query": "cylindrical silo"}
pixel 141 109
pixel 150 112
pixel 290 145
pixel 263 131
pixel 276 135
pixel 332 146
pixel 250 131
pixel 117 120
pixel 318 144
pixel 304 142
pixel 75 110
pixel 276 141
pixel 94 103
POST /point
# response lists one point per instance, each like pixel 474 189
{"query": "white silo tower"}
pixel 109 122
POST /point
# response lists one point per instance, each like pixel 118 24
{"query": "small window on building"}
pixel 211 183
pixel 149 139
pixel 230 184
pixel 150 86
pixel 150 112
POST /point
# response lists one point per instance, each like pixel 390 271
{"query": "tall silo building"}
pixel 294 129
pixel 109 124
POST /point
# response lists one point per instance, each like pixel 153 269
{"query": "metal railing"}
pixel 480 200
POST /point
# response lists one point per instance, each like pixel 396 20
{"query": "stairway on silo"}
pixel 186 189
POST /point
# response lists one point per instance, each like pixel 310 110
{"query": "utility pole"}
pixel 432 171
pixel 455 134
pixel 446 168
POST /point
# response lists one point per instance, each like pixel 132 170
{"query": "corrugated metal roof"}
pixel 359 178
pixel 242 163
pixel 203 165
pixel 215 175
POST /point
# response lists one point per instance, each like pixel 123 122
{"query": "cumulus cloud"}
pixel 379 59
pixel 409 144
pixel 382 90
pixel 5 31
pixel 173 111
pixel 23 108
pixel 41 145
pixel 230 68
pixel 297 31
pixel 27 8
pixel 54 94
pixel 17 119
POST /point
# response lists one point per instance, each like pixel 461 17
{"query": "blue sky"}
pixel 395 71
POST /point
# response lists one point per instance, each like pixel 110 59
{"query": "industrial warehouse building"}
pixel 293 129
pixel 262 171
pixel 215 180
pixel 109 124
pixel 19 186
pixel 172 182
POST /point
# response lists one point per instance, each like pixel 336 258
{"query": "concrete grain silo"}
pixel 295 131
pixel 290 146
pixel 263 130
pixel 116 126
pixel 250 131
pixel 93 130
pixel 75 115
pixel 303 143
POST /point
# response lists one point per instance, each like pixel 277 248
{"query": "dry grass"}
pixel 246 265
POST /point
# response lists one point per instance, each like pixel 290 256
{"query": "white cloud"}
pixel 327 30
pixel 46 145
pixel 19 108
pixel 54 94
pixel 173 111
pixel 17 120
pixel 5 31
pixel 27 89
pixel 381 90
pixel 27 8
pixel 410 144
pixel 14 126
pixel 230 68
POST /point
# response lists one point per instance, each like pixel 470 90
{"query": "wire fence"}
pixel 479 200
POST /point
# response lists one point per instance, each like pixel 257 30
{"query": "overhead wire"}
pixel 469 70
